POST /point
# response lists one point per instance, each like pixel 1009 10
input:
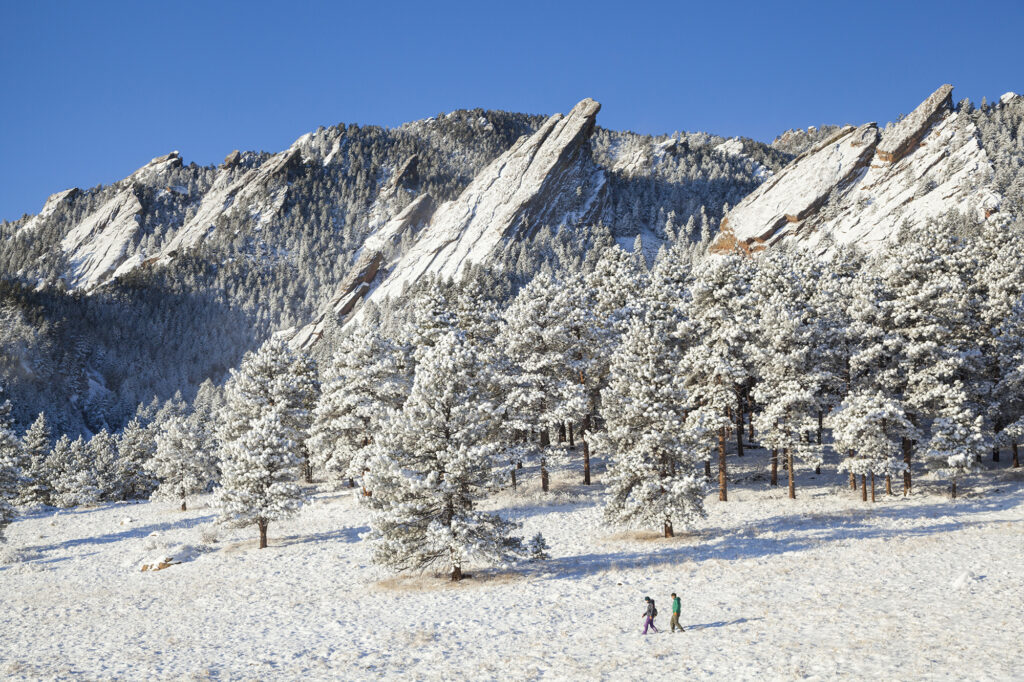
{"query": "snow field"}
pixel 820 587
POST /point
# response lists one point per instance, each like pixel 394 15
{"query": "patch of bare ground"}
pixel 432 582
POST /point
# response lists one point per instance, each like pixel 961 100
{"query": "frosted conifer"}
pixel 260 474
pixel 433 464
pixel 179 462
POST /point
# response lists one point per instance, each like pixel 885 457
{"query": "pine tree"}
pixel 717 362
pixel 72 475
pixel 11 476
pixel 260 474
pixel 136 445
pixel 790 379
pixel 365 380
pixel 957 440
pixel 433 463
pixel 653 477
pixel 36 446
pixel 106 462
pixel 871 429
pixel 179 462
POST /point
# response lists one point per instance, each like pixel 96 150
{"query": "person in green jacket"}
pixel 676 606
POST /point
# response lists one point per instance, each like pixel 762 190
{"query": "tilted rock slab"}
pixel 95 248
pixel 799 189
pixel 515 194
pixel 368 269
pixel 901 139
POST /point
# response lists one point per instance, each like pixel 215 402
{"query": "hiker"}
pixel 649 615
pixel 676 606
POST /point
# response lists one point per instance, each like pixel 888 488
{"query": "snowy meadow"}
pixel 819 587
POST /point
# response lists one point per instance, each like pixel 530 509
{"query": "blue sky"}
pixel 91 91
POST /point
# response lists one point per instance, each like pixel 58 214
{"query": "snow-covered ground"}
pixel 817 588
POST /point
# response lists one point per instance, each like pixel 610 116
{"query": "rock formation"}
pixel 370 267
pixel 898 142
pixel 800 189
pixel 260 191
pixel 855 188
pixel 516 193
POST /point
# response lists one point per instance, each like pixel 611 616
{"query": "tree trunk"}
pixel 723 494
pixel 572 441
pixel 561 433
pixel 668 529
pixel 750 413
pixel 1016 459
pixel 888 484
pixel 544 475
pixel 263 533
pixel 351 483
pixel 707 469
pixel 863 488
pixel 853 481
pixel 307 468
pixel 872 487
pixel 183 507
pixel 820 418
pixel 739 424
pixel 514 479
pixel 792 481
pixel 995 454
pixel 456 574
pixel 545 438
pixel 586 463
pixel 953 489
pixel 775 466
pixel 908 446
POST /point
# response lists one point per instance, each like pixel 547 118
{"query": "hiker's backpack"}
pixel 654 610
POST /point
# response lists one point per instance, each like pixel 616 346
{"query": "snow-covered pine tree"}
pixel 36 446
pixel 179 463
pixel 106 462
pixel 366 379
pixel 71 473
pixel 433 463
pixel 870 427
pixel 717 362
pixel 783 348
pixel 260 474
pixel 136 445
pixel 274 375
pixel 11 476
pixel 653 478
pixel 957 439
pixel 540 390
pixel 301 389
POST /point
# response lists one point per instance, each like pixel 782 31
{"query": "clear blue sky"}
pixel 89 91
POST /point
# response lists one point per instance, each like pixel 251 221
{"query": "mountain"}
pixel 162 280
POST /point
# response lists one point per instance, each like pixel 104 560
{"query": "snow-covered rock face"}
pixel 516 192
pixel 53 202
pixel 799 189
pixel 858 189
pixel 898 142
pixel 96 247
pixel 260 191
pixel 368 269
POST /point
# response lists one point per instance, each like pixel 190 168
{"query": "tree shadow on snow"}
pixel 342 534
pixel 790 533
pixel 130 533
